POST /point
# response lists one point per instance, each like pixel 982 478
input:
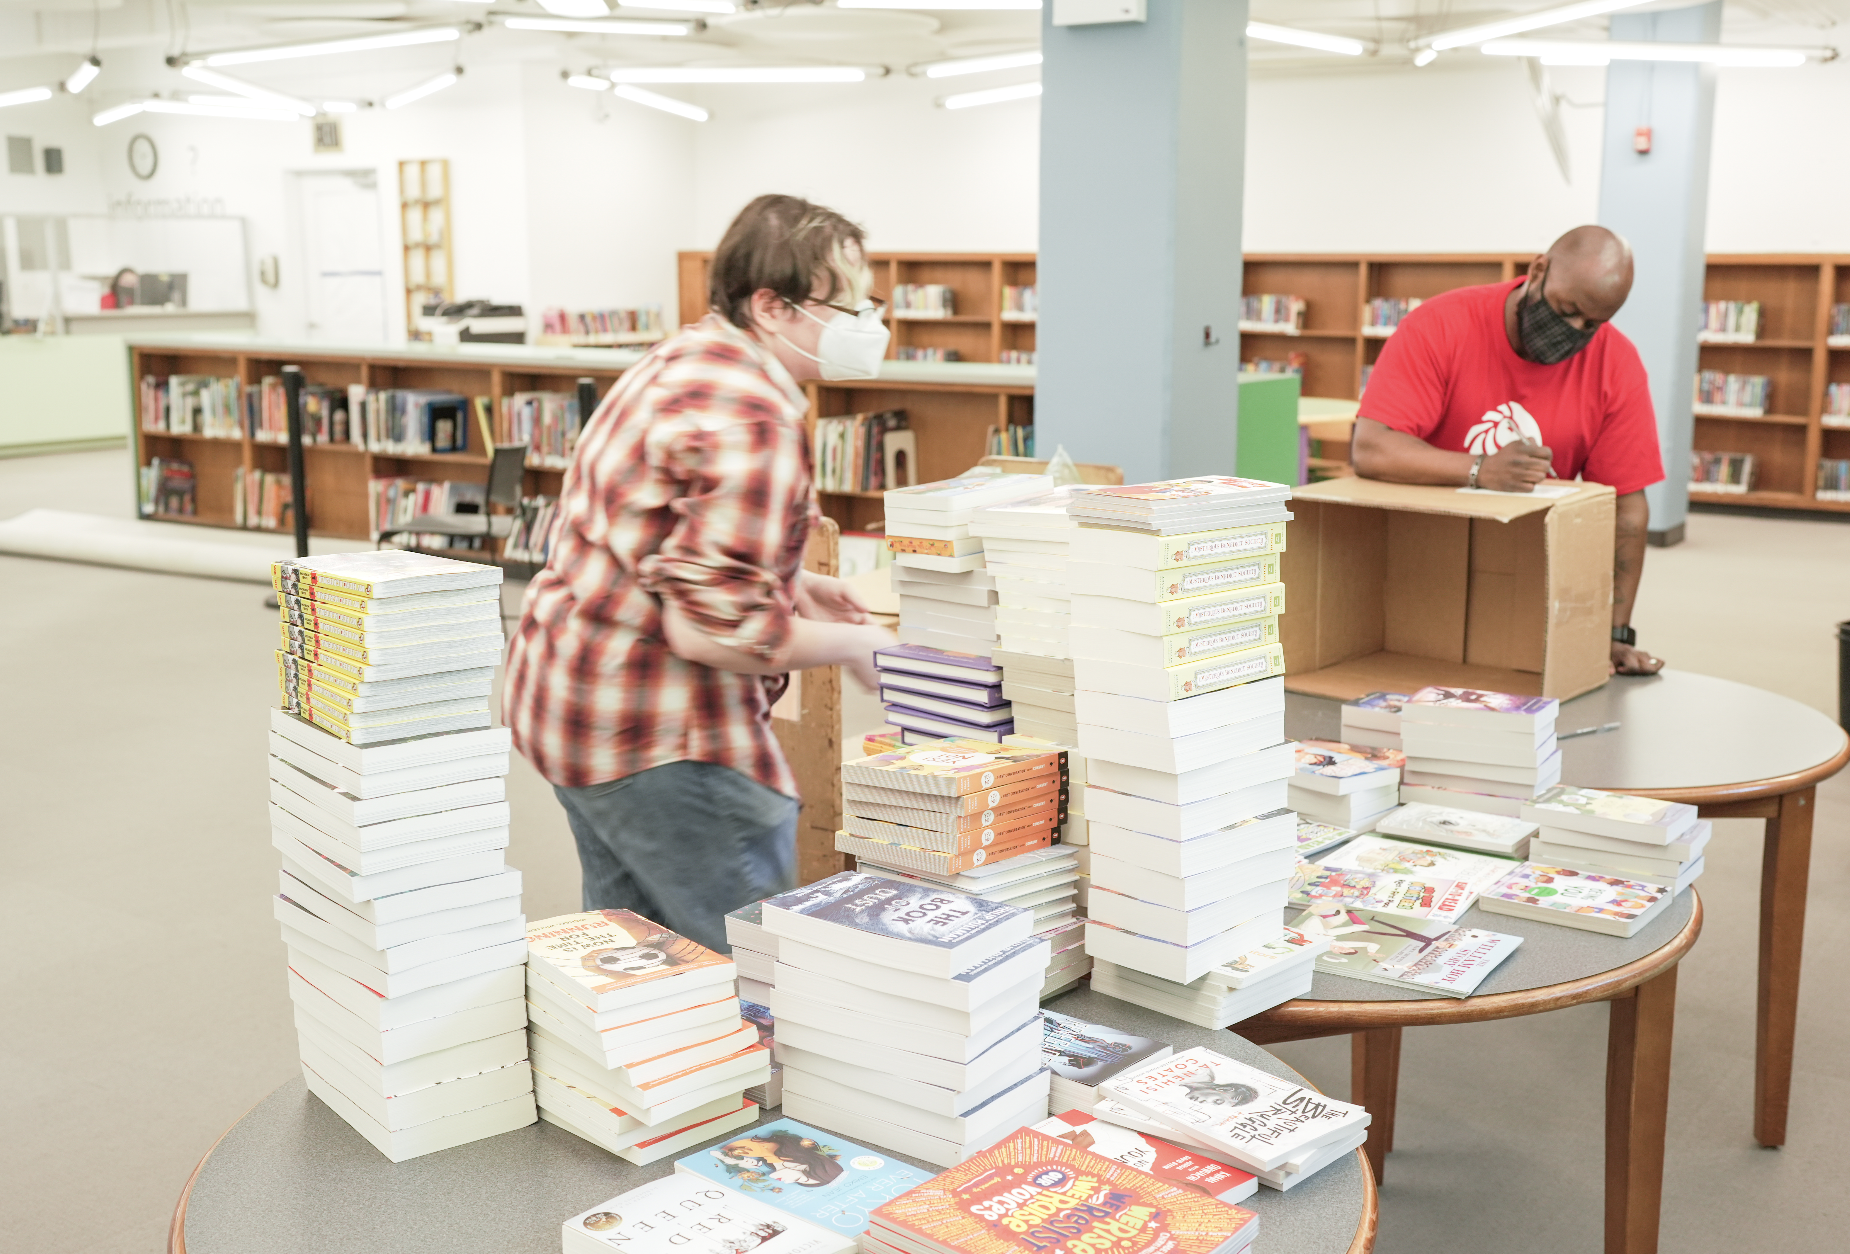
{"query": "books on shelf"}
pixel 1721 472
pixel 685 1213
pixel 192 404
pixel 535 528
pixel 1723 395
pixel 915 352
pixel 1614 905
pixel 548 423
pixel 1292 363
pixel 1014 440
pixel 261 500
pixel 604 328
pixel 1833 479
pixel 923 300
pixel 1278 315
pixel 1021 302
pixel 849 452
pixel 1018 357
pixel 1381 315
pixel 1427 954
pixel 167 488
pixel 412 421
pixel 392 502
pixel 1728 322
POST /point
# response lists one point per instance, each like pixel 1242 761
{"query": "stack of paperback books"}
pixel 1486 743
pixel 928 693
pixel 1373 721
pixel 754 953
pixel 1427 955
pixel 992 1201
pixel 683 1212
pixel 1081 1055
pixel 402 921
pixel 1192 1169
pixel 908 1014
pixel 1425 861
pixel 1613 904
pixel 383 645
pixel 1345 785
pixel 1280 1131
pixel 1073 767
pixel 637 1039
pixel 946 600
pixel 1612 834
pixel 951 806
pixel 1025 546
pixel 1460 828
pixel 1180 712
pixel 1269 976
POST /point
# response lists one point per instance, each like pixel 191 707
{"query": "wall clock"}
pixel 143 158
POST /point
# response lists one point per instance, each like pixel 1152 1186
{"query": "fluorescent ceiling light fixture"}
pixel 575 8
pixel 976 65
pixel 667 104
pixel 344 106
pixel 587 82
pixel 1316 40
pixel 334 47
pixel 28 95
pixel 238 87
pixel 994 95
pixel 937 4
pixel 1467 35
pixel 598 26
pixel 738 74
pixel 242 110
pixel 1589 52
pixel 682 6
pixel 1425 56
pixel 429 87
pixel 83 76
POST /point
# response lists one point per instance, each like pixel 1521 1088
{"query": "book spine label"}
pixel 1215 546
pixel 1197 646
pixel 291 578
pixel 1226 672
pixel 1231 608
pixel 1198 581
pixel 919 544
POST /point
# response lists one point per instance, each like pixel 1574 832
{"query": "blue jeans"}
pixel 683 844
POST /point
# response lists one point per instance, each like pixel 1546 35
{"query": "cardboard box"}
pixel 1395 586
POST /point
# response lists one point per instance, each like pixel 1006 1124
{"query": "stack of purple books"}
pixel 932 693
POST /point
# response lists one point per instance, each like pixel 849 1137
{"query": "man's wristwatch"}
pixel 1475 467
pixel 1625 635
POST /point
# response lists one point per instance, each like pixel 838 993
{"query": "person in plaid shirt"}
pixel 663 627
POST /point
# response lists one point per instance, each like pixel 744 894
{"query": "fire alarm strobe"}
pixel 1641 139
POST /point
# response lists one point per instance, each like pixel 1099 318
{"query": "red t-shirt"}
pixel 1449 376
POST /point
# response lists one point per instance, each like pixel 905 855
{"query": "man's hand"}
pixel 826 599
pixel 1515 467
pixel 1627 660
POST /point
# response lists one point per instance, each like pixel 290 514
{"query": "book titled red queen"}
pixel 1035 1194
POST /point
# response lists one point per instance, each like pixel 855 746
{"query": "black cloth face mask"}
pixel 1546 336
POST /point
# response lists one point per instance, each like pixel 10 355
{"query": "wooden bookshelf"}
pixel 338 474
pixel 424 219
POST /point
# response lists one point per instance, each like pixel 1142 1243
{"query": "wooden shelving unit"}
pixel 424 219
pixel 338 474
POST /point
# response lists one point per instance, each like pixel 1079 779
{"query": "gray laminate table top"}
pixel 1677 729
pixel 292 1178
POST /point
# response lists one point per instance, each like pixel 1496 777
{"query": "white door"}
pixel 342 256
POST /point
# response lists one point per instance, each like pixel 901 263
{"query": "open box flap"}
pixel 1419 498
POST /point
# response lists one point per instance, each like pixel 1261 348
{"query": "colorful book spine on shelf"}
pixel 605 327
pixel 849 453
pixel 261 500
pixel 1837 404
pixel 923 300
pixel 1017 357
pixel 1276 314
pixel 1726 395
pixel 167 489
pixel 1833 479
pixel 534 530
pixel 191 404
pixel 393 502
pixel 910 352
pixel 1021 303
pixel 1382 314
pixel 1840 322
pixel 1729 322
pixel 546 422
pixel 405 422
pixel 1293 363
pixel 1721 472
pixel 1015 440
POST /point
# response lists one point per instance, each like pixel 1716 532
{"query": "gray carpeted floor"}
pixel 147 1009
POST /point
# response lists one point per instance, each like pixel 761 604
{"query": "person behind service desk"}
pixel 653 643
pixel 1504 385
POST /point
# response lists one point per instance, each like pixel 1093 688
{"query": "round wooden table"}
pixel 1555 967
pixel 1733 751
pixel 291 1178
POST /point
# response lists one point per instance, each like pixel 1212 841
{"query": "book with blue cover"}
pixel 925 928
pixel 819 1177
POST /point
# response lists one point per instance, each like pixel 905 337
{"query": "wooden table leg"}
pixel 1785 871
pixel 1374 1085
pixel 1637 1101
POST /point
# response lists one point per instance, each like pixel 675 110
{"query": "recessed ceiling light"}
pixel 994 95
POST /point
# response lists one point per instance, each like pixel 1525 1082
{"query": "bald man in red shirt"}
pixel 1504 385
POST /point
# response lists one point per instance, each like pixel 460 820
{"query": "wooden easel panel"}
pixel 808 726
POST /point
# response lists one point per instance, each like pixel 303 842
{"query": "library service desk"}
pixel 291 1178
pixel 1733 751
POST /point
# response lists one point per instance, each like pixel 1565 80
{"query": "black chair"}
pixel 506 473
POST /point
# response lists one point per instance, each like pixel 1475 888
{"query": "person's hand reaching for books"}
pixel 829 600
pixel 1515 467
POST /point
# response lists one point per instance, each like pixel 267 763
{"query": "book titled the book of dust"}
pixel 608 959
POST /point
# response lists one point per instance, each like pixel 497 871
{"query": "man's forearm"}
pixel 1380 452
pixel 1631 520
pixel 810 644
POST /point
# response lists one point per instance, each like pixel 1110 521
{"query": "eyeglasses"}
pixel 876 303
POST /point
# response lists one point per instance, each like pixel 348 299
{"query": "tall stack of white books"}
pixel 1176 596
pixel 1485 744
pixel 754 953
pixel 638 1042
pixel 1270 975
pixel 1025 551
pixel 402 921
pixel 946 598
pixel 908 1014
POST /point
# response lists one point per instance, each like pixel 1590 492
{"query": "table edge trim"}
pixel 1749 790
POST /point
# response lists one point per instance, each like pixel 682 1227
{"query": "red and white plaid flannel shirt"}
pixel 690 484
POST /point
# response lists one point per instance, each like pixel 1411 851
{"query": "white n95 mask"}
pixel 852 344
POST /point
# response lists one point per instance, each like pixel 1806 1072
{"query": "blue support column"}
pixel 1659 200
pixel 1143 142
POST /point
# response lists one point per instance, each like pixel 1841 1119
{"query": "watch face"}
pixel 143 158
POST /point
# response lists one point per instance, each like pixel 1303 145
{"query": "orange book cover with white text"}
pixel 605 950
pixel 1033 1193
